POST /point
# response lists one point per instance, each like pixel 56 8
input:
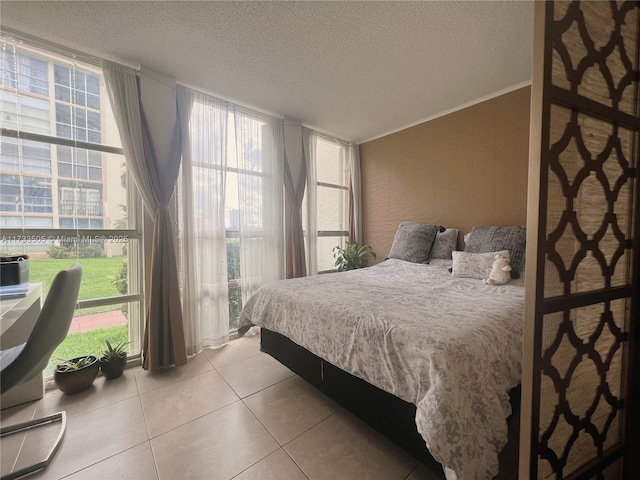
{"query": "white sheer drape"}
pixel 202 221
pixel 259 147
pixel 310 206
pixel 231 196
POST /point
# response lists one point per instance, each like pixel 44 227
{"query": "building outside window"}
pixel 64 194
pixel 21 194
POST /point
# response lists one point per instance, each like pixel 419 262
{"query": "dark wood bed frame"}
pixel 390 415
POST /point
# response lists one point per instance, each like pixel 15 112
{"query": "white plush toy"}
pixel 499 273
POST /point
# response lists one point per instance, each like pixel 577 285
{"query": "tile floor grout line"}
pixel 184 379
pixel 155 460
pixel 208 360
pixel 102 460
pixel 242 399
pixel 203 415
pixel 94 409
pixel 193 420
pixel 296 463
pixel 280 447
pixel 305 431
pixel 144 417
pixel 312 426
pixel 222 346
pixel 173 382
pixel 190 376
pixel 233 362
pixel 269 386
pixel 260 422
pixel 257 462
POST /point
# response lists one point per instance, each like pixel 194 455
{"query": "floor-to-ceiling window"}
pixel 230 214
pixel 332 199
pixel 64 191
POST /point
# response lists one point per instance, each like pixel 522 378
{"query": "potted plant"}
pixel 352 256
pixel 113 360
pixel 75 375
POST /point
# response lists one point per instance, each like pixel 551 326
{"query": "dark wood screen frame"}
pixel 544 95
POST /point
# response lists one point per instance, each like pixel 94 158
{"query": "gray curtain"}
pixel 294 237
pixel 163 344
pixel 355 194
pixel 309 143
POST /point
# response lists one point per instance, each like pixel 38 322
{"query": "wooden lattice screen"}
pixel 587 232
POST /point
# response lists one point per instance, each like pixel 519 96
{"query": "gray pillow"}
pixel 413 241
pixel 493 239
pixel 445 243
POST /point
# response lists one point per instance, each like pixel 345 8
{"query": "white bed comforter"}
pixel 451 346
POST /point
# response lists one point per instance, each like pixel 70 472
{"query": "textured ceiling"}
pixel 352 69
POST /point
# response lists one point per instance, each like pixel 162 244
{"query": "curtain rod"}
pixel 344 143
pixel 259 110
pixel 230 100
pixel 56 48
pixel 328 136
pixel 97 62
pixel 50 46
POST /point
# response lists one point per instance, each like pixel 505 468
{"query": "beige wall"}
pixel 464 169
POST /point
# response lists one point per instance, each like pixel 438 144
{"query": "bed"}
pixel 401 340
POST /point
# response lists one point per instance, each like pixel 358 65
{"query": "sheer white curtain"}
pixel 230 212
pixel 310 206
pixel 259 147
pixel 202 220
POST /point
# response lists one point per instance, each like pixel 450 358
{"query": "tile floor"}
pixel 230 413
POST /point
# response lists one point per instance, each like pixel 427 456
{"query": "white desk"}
pixel 17 319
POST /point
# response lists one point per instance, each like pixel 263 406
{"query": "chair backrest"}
pixel 50 329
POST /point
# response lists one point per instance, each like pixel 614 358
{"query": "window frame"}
pixel 233 233
pixel 133 199
pixel 341 235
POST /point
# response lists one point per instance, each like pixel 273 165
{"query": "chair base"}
pixel 31 424
pixel 23 393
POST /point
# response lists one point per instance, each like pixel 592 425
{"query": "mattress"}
pixel 451 346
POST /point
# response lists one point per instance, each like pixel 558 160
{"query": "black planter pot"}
pixel 113 368
pixel 74 381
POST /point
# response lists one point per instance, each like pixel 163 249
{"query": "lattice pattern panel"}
pixel 581 385
pixel 589 204
pixel 591 165
pixel 594 51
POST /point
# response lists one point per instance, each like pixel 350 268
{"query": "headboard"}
pixel 466 168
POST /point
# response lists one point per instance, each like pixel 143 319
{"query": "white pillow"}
pixel 474 265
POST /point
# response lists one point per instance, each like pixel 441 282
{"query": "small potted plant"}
pixel 113 360
pixel 75 375
pixel 352 256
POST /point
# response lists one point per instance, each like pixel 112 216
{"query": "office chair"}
pixel 23 362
